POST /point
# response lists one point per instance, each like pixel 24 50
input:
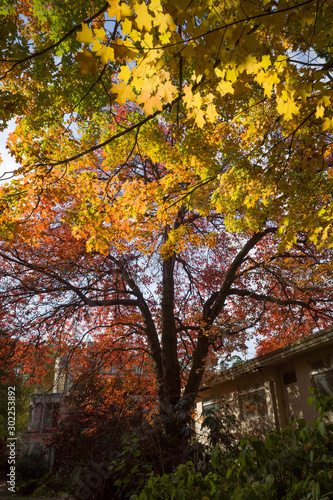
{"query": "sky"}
pixel 8 163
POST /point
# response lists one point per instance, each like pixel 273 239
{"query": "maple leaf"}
pixel 126 26
pixel 268 80
pixel 167 90
pixel 200 118
pixel 99 33
pixel 188 98
pixel 106 54
pixel 328 124
pixel 85 36
pixel 225 88
pixel 265 61
pixel 211 113
pixel 320 111
pixel 123 51
pixel 87 63
pixel 232 74
pixel 150 102
pixel 126 10
pixel 143 18
pixel 114 10
pixel 287 108
pixel 124 73
pixel 164 22
pixel 125 92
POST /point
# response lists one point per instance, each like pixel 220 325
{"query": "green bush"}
pixel 31 466
pixel 183 484
pixel 28 487
pixel 43 491
pixel 295 463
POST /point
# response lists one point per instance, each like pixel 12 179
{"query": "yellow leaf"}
pixel 188 98
pixel 320 111
pixel 200 119
pixel 124 73
pixel 124 92
pixel 99 33
pixel 164 22
pixel 126 10
pixel 211 113
pixel 328 124
pixel 325 100
pixel 265 61
pixel 85 36
pixel 167 91
pixel 270 79
pixel 329 243
pixel 87 63
pixel 225 88
pixel 124 51
pixel 165 37
pixel 97 46
pixel 220 73
pixel 280 63
pixel 287 108
pixel 114 10
pixel 152 103
pixel 126 26
pixel 250 65
pixel 197 101
pixel 148 38
pixel 143 18
pixel 155 6
pixel 232 74
pixel 209 98
pixel 106 54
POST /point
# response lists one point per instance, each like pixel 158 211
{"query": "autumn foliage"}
pixel 174 181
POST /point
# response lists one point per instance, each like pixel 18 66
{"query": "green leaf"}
pixel 269 480
pixel 321 428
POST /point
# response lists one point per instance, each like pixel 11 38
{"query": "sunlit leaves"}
pixel 145 25
pixel 250 66
pixel 287 108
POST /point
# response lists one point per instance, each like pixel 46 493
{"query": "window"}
pixel 321 364
pixel 322 376
pixel 50 415
pixel 211 403
pixel 36 416
pixel 252 401
pixel 289 377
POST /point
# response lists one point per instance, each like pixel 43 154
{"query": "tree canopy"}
pixel 163 147
pixel 259 70
pixel 173 283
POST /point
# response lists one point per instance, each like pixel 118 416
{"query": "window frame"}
pixel 315 372
pixel 247 390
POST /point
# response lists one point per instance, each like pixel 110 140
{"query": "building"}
pixel 48 408
pixel 44 414
pixel 266 391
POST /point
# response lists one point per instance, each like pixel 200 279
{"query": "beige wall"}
pixel 285 397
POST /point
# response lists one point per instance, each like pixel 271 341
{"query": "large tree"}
pixel 176 124
pixel 150 271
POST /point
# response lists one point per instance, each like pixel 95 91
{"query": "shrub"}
pixel 295 463
pixel 31 466
pixel 28 487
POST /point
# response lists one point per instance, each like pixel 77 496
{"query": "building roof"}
pixel 283 354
